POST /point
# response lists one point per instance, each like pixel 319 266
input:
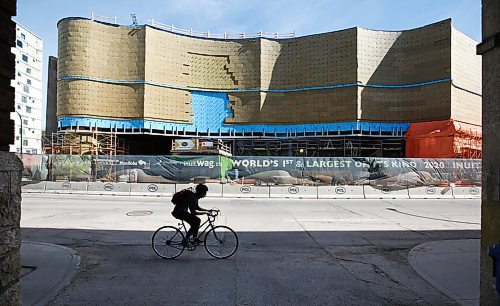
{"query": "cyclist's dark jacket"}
pixel 190 202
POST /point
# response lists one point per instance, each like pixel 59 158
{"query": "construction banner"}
pixel 35 167
pixel 255 170
pixel 158 169
pixel 69 167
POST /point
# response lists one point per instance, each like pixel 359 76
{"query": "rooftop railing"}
pixel 191 32
pixel 103 18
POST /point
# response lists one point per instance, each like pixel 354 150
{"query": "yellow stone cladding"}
pixel 171 65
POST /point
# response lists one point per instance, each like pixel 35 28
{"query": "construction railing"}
pixel 191 32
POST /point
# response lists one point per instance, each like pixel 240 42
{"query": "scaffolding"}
pixel 468 146
pixel 349 146
pixel 84 143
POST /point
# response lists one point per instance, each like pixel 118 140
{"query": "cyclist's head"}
pixel 201 190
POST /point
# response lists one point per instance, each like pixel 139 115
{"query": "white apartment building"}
pixel 28 87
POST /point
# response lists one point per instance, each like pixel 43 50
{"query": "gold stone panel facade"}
pixel 100 100
pixel 332 105
pixel 331 77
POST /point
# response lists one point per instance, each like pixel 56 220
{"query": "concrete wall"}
pixel 490 209
pixel 10 166
pixel 267 81
pixel 10 232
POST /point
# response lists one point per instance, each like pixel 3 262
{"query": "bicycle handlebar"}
pixel 213 214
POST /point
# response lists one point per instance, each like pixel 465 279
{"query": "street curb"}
pixel 54 266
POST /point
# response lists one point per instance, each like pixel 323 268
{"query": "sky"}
pixel 251 16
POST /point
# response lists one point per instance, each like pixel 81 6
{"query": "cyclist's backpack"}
pixel 181 196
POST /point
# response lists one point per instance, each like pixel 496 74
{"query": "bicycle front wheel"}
pixel 221 242
pixel 167 242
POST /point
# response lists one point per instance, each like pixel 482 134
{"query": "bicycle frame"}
pixel 201 232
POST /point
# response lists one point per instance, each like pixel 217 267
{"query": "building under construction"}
pixel 355 92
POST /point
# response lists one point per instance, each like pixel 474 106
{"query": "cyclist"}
pixel 190 202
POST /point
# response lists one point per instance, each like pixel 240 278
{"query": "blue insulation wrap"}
pixel 175 128
pixel 210 110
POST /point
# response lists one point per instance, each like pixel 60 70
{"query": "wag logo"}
pixel 340 190
pixel 108 187
pixel 293 190
pixel 386 190
pixel 245 189
pixel 474 191
pixel 66 185
pixel 152 188
pixel 430 190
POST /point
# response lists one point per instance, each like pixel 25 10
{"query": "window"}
pixel 28 109
pixel 28 81
pixel 19 43
pixel 19 74
pixel 24 99
pixel 25 122
pixel 25 57
pixel 26 88
pixel 17 137
pixel 23 36
pixel 19 107
pixel 25 142
pixel 28 70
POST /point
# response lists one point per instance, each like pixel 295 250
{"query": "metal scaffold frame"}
pixel 93 142
pixel 353 146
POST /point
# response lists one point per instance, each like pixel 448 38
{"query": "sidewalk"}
pixel 46 270
pixel 451 266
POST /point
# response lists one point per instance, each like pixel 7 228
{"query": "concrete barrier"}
pixel 430 192
pixel 385 192
pixel 294 191
pixel 341 192
pixel 214 189
pixel 38 187
pixel 473 192
pixel 245 191
pixel 66 187
pixel 109 188
pixel 152 189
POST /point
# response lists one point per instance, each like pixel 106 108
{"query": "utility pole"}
pixel 21 120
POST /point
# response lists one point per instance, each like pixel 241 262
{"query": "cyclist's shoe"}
pixel 196 241
pixel 184 242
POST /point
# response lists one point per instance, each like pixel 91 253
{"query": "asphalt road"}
pixel 292 252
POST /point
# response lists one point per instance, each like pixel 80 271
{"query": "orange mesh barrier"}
pixel 443 139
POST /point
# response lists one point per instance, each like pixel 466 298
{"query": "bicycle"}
pixel 220 241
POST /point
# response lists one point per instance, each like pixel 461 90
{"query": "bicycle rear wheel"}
pixel 167 242
pixel 221 242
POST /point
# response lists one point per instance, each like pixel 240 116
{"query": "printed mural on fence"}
pixel 312 171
